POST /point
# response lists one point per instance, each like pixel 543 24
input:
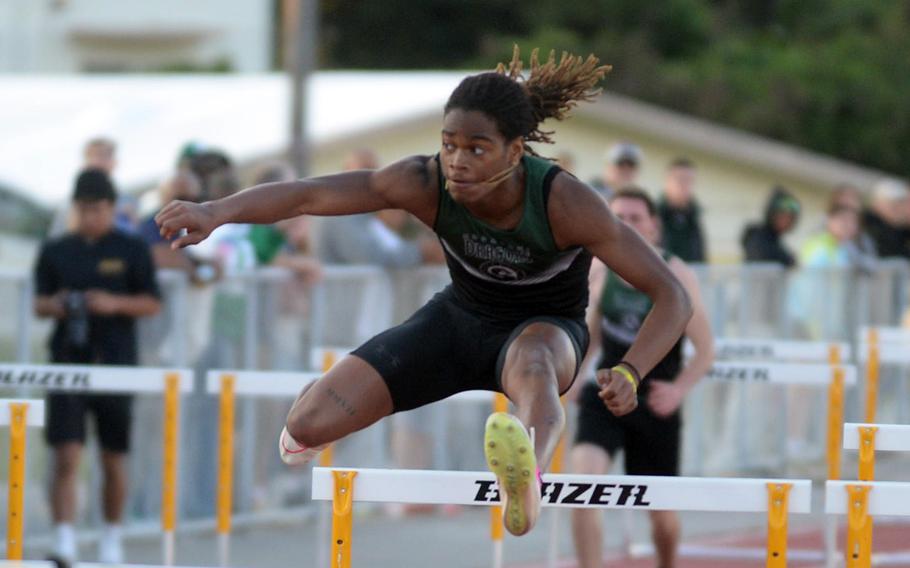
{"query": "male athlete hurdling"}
pixel 518 234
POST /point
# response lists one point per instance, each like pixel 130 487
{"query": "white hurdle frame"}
pixel 888 437
pixel 346 486
pixel 169 382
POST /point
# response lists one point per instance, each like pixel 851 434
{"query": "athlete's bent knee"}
pixel 305 426
pixel 534 359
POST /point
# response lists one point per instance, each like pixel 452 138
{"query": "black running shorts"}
pixel 444 349
pixel 66 415
pixel 651 443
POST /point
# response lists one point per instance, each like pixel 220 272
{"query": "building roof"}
pixel 47 119
pixel 730 143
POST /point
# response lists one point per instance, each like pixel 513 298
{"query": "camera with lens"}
pixel 77 324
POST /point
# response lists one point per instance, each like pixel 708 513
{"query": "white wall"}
pixel 67 36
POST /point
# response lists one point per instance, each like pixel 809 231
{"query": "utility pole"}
pixel 301 25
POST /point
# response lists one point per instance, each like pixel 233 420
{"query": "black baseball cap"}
pixel 94 185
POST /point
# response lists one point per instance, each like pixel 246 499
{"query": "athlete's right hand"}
pixel 197 219
pixel 616 391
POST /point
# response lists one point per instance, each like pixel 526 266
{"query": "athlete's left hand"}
pixel 665 398
pixel 616 391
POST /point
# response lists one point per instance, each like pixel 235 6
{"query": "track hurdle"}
pixel 228 385
pixel 860 501
pixel 774 497
pixel 18 414
pixel 833 376
pixel 878 346
pixel 868 439
pixel 792 367
pixel 730 351
pixel 171 383
pixel 871 438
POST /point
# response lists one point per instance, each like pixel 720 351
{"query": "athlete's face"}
pixel 473 151
pixel 634 213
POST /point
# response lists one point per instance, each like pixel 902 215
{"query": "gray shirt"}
pixel 364 239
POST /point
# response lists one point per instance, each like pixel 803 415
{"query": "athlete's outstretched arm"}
pixel 580 217
pixel 401 185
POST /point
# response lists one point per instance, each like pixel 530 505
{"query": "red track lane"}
pixel 885 538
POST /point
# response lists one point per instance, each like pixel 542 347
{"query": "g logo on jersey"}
pixel 502 272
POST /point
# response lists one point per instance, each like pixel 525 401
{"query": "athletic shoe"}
pixel 510 455
pixel 110 548
pixel 292 453
pixel 65 542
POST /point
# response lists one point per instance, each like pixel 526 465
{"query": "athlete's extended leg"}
pixel 539 364
pixel 350 397
pixel 587 524
pixel 665 533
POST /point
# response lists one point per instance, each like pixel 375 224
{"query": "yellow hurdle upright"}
pixel 835 414
pixel 226 452
pixel 778 495
pixel 867 453
pixel 17 427
pixel 859 527
pixel 500 404
pixel 873 368
pixel 169 465
pixel 342 518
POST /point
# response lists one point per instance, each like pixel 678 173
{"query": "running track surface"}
pixel 886 538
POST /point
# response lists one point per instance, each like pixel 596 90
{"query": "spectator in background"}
pixel 680 213
pixel 374 238
pixel 288 243
pixel 100 154
pixel 623 164
pixel 817 307
pixel 95 281
pixel 860 250
pixel 208 165
pixel 201 272
pixel 762 242
pixel 886 221
pixel 832 247
pixel 97 154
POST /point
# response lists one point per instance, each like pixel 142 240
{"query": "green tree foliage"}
pixel 830 75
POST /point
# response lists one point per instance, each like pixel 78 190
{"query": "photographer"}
pixel 95 282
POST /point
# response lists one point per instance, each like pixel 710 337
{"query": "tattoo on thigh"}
pixel 341 402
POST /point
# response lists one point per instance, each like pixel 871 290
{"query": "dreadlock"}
pixel 519 104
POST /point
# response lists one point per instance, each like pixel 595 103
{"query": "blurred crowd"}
pixel 112 230
pixel 861 224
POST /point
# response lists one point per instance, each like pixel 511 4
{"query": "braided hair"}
pixel 519 104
